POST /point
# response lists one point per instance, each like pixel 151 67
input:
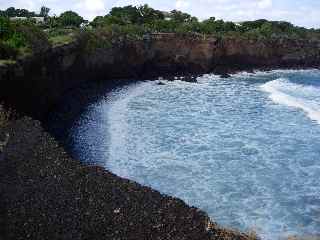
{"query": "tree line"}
pixel 152 20
pixel 128 22
pixel 13 12
pixel 147 19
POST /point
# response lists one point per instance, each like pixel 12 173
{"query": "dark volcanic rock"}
pixel 161 83
pixel 47 195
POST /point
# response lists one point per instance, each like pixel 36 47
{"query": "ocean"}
pixel 245 149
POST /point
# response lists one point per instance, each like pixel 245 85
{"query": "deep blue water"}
pixel 244 149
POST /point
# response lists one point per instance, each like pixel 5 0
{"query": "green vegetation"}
pixel 61 36
pixel 44 11
pixel 70 19
pixel 12 12
pixel 27 34
pixel 154 21
pixel 4 116
pixel 20 38
pixel 61 40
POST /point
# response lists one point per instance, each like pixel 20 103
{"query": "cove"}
pixel 244 149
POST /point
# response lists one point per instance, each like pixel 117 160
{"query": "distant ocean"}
pixel 245 149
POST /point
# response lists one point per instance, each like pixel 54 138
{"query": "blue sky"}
pixel 300 12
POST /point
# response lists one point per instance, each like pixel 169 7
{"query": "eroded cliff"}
pixel 41 80
pixel 45 194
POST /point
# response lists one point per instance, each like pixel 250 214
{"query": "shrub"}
pixel 95 39
pixel 5 28
pixel 7 51
pixel 34 38
pixel 10 39
pixel 21 37
pixel 4 116
pixel 61 36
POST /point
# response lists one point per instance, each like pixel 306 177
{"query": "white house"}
pixel 37 19
pixel 18 18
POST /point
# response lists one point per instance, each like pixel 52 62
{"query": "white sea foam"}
pixel 278 72
pixel 118 127
pixel 306 98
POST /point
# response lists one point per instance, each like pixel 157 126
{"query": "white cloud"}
pixel 304 13
pixel 182 4
pixel 91 8
pixel 263 4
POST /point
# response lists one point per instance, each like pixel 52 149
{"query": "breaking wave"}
pixel 306 98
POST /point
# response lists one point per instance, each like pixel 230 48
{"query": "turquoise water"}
pixel 244 149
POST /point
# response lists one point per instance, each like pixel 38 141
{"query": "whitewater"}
pixel 244 149
pixel 306 98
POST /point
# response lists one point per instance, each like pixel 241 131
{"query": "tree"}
pixel 125 15
pixel 133 15
pixel 267 29
pixel 70 18
pixel 44 11
pixel 12 12
pixel 251 25
pixel 98 21
pixel 181 17
pixel 149 15
pixel 164 26
pixel 229 27
pixel 53 21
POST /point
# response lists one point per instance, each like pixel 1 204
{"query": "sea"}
pixel 244 149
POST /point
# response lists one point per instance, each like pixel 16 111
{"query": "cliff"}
pixel 34 85
pixel 45 194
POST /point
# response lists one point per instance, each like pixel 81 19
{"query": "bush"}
pixel 4 116
pixel 10 39
pixel 130 32
pixel 21 37
pixel 61 36
pixel 111 35
pixel 95 39
pixel 34 38
pixel 5 28
pixel 7 51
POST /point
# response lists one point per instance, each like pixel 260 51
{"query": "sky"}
pixel 300 12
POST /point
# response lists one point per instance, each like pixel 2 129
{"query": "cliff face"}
pixel 272 53
pixel 35 84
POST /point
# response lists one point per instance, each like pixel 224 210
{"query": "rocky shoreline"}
pixel 46 194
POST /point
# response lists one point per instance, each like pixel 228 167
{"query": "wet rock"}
pixel 161 83
pixel 225 75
